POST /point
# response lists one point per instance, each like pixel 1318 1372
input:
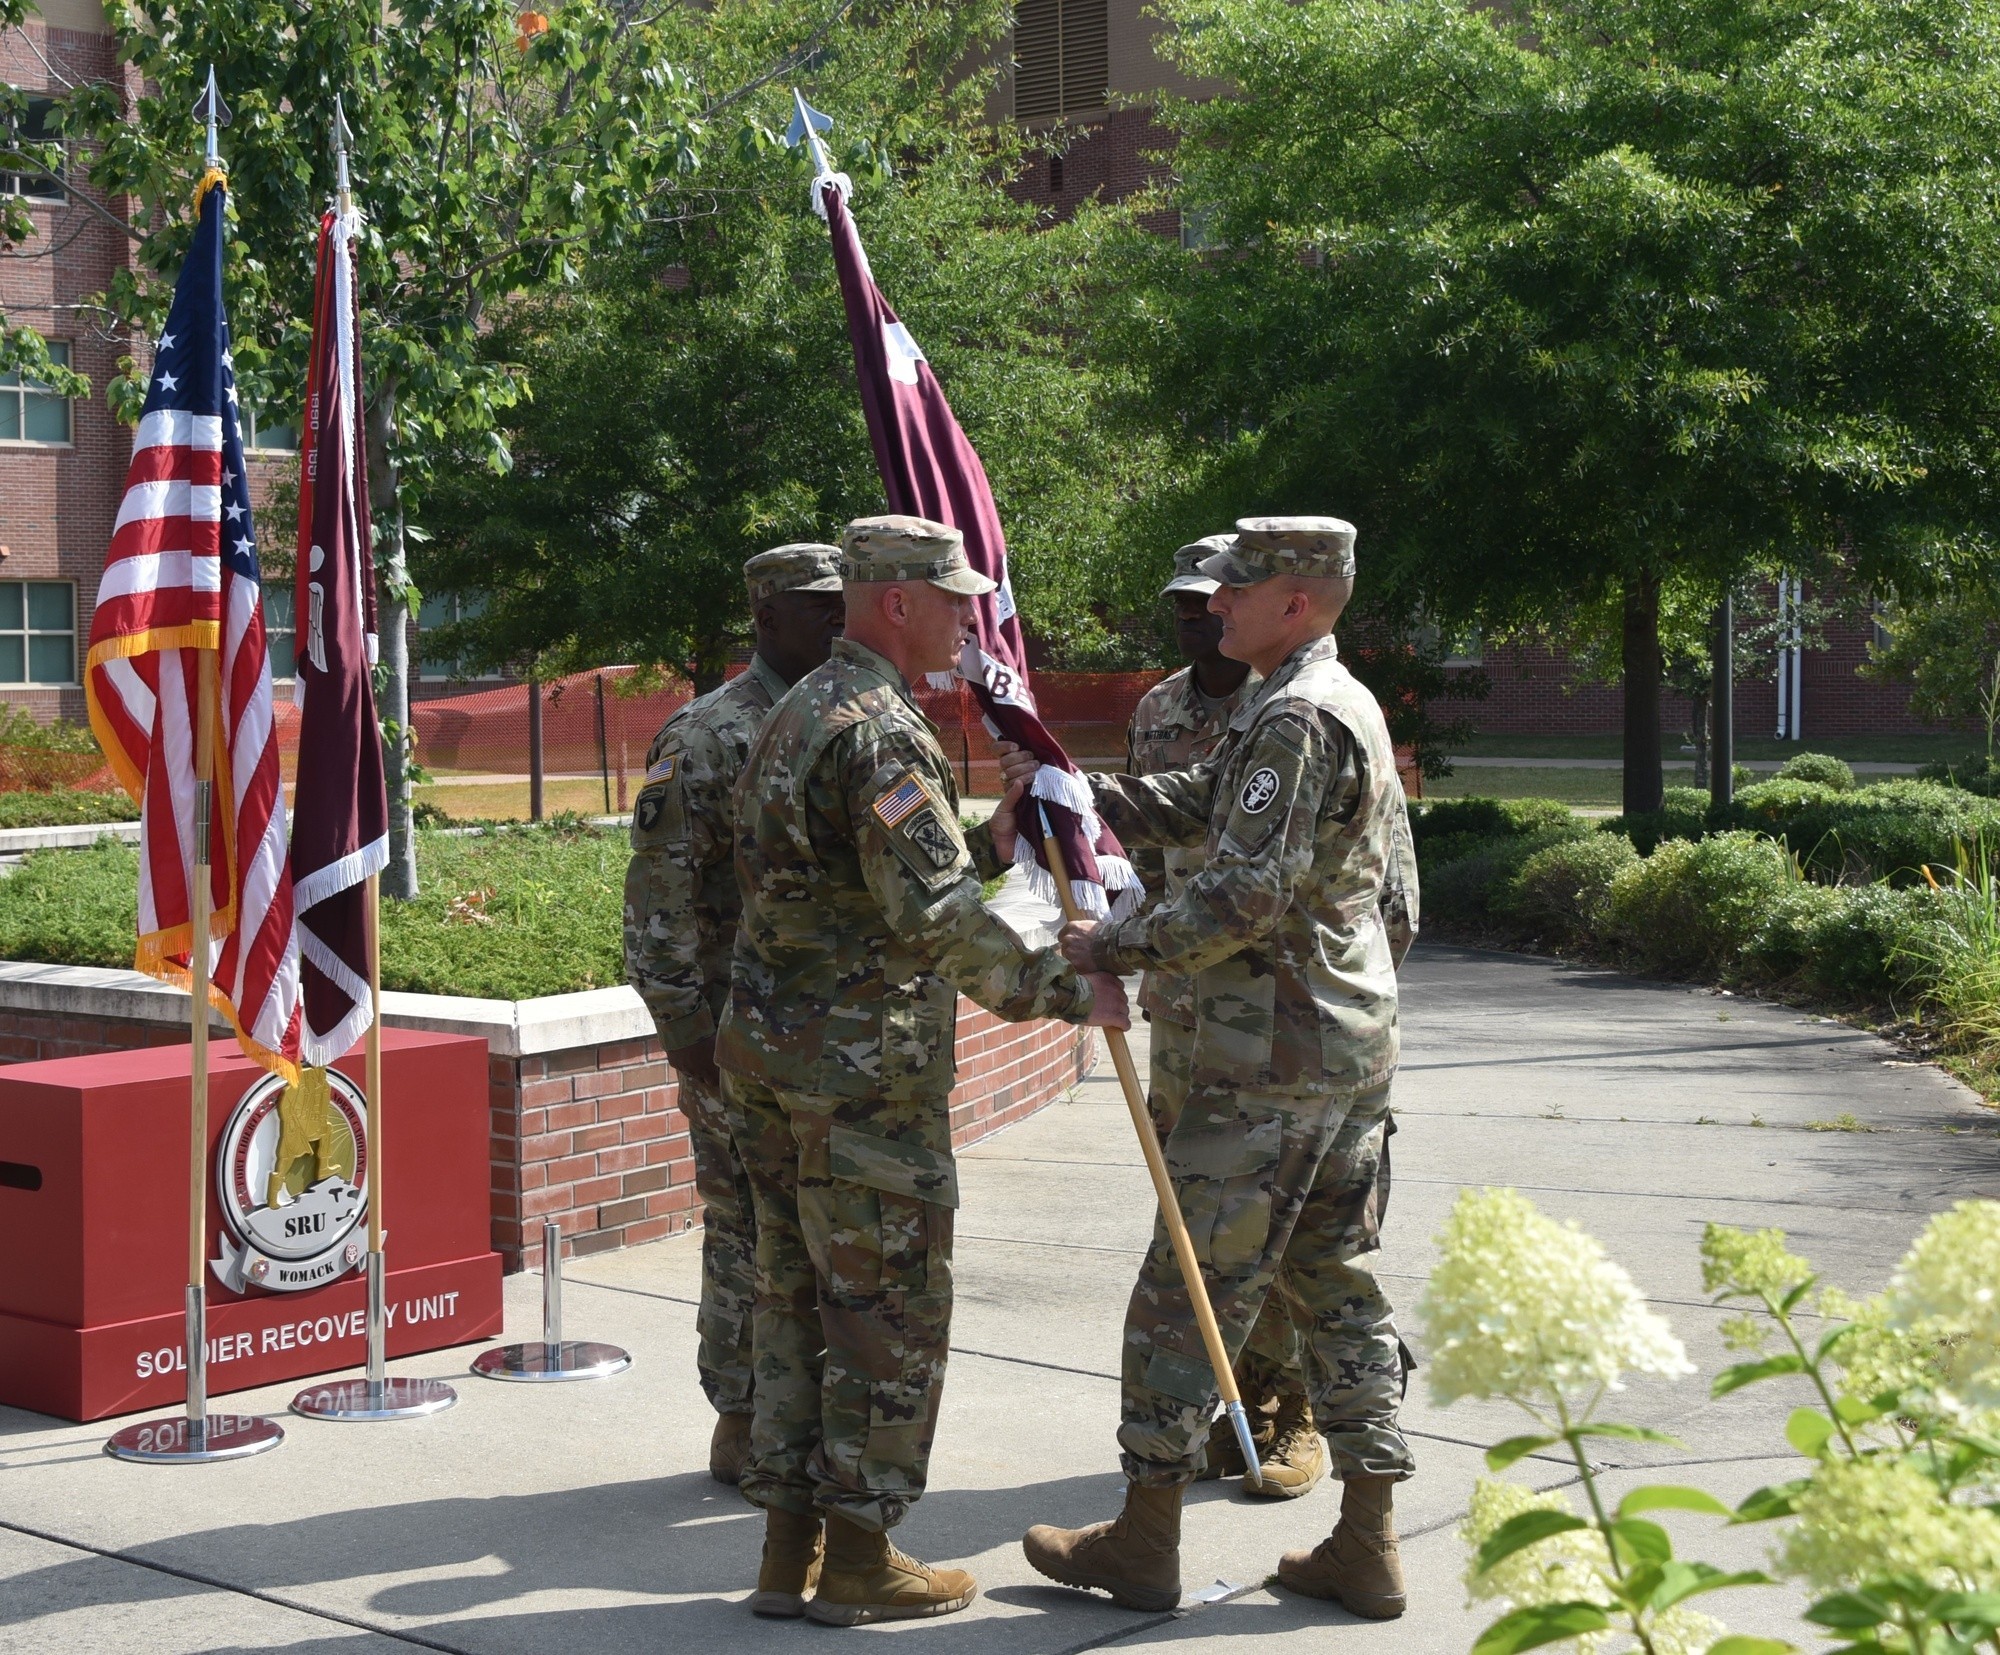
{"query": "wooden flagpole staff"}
pixel 1163 1187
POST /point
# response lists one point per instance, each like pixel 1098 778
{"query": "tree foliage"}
pixel 1564 302
pixel 694 398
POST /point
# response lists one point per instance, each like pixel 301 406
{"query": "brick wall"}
pixel 594 1138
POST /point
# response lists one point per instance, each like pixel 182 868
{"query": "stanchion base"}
pixel 394 1398
pixel 181 1442
pixel 537 1361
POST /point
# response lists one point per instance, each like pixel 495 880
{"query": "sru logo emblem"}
pixel 1259 791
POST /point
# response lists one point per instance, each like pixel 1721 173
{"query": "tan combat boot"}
pixel 1296 1458
pixel 1358 1564
pixel 864 1579
pixel 1136 1558
pixel 729 1448
pixel 793 1546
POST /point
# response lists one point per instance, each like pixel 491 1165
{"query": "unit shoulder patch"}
pixel 930 836
pixel 1258 791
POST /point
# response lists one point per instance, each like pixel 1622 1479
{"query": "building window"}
pixel 269 434
pixel 1062 57
pixel 437 667
pixel 32 126
pixel 281 624
pixel 31 412
pixel 37 632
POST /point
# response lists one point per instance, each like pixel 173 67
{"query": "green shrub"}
pixel 1561 891
pixel 1976 773
pixel 1818 767
pixel 1890 830
pixel 1443 830
pixel 1848 943
pixel 72 907
pixel 1683 814
pixel 65 809
pixel 19 728
pixel 1463 891
pixel 1693 904
pixel 1770 805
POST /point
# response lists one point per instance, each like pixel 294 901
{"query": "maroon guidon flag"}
pixel 930 469
pixel 340 816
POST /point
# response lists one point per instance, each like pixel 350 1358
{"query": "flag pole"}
pixel 1163 1189
pixel 375 1396
pixel 199 1436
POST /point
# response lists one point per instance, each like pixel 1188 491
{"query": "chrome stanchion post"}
pixel 378 1324
pixel 551 1356
pixel 196 1325
pixel 376 1395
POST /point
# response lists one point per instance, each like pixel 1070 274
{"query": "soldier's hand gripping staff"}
pixel 1292 929
pixel 862 924
pixel 681 908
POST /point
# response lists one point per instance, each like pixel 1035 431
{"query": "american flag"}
pixel 181 578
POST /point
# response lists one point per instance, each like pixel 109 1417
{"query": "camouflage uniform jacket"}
pixel 1174 726
pixel 862 920
pixel 681 904
pixel 1307 901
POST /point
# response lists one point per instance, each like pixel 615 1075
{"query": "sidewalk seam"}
pixel 195 1577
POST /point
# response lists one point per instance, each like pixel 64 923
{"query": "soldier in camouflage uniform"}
pixel 1179 722
pixel 680 924
pixel 1293 928
pixel 862 924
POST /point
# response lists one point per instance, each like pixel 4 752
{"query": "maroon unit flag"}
pixel 930 469
pixel 340 818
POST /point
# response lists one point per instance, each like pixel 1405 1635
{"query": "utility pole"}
pixel 1722 707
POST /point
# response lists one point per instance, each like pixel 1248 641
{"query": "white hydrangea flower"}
pixel 1565 1568
pixel 1862 1520
pixel 1520 1306
pixel 1948 1288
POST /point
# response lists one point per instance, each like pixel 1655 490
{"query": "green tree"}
pixel 694 397
pixel 1947 644
pixel 486 156
pixel 1563 303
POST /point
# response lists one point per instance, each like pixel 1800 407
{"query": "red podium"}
pixel 93 1221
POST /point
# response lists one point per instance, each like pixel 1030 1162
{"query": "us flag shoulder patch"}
pixel 664 770
pixel 907 795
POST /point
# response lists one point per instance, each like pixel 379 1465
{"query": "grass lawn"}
pixel 64 809
pixel 507 915
pixel 508 801
pixel 1573 787
pixel 1869 749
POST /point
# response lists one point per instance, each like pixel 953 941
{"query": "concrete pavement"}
pixel 581 1519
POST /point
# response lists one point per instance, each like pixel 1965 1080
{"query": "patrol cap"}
pixel 803 566
pixel 1319 548
pixel 1187 565
pixel 909 548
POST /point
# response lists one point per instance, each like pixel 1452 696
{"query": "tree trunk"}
pixel 1642 694
pixel 392 571
pixel 1699 719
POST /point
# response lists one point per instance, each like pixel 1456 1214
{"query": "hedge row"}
pixel 1735 905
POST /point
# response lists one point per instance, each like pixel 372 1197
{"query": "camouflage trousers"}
pixel 728 1252
pixel 854 1205
pixel 1282 1195
pixel 1271 1364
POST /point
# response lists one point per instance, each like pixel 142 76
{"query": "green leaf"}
pixel 1748 1373
pixel 1524 1529
pixel 1627 1433
pixel 1851 1410
pixel 1848 1612
pixel 1538 1624
pixel 1639 1541
pixel 1685 1580
pixel 1671 1497
pixel 1503 1454
pixel 1981 1609
pixel 1740 1643
pixel 1772 1501
pixel 1791 1299
pixel 1808 1430
pixel 1831 1338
